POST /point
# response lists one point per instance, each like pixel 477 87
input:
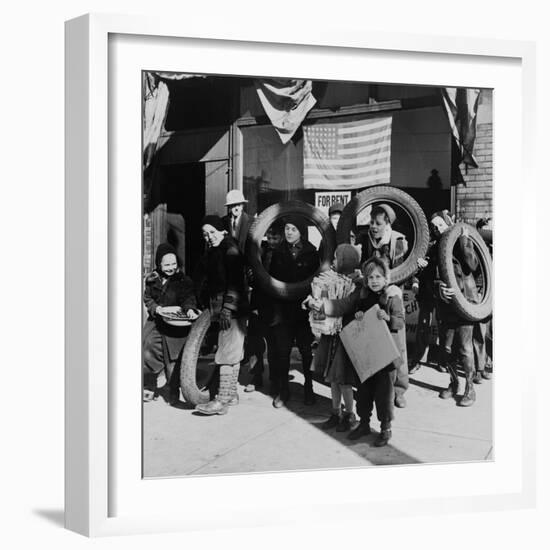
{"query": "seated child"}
pixel 379 388
pixel 163 343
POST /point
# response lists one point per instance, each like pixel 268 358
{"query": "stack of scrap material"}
pixel 333 286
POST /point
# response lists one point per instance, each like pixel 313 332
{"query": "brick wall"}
pixel 475 199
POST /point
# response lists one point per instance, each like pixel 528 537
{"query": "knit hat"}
pixel 213 220
pixel 162 250
pixel 348 258
pixel 336 207
pixel 445 215
pixel 299 223
pixel 386 209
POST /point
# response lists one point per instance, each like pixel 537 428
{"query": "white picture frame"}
pixel 104 53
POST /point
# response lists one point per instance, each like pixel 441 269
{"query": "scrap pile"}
pixel 333 286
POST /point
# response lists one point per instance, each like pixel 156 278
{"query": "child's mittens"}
pixel 359 315
pixel 382 315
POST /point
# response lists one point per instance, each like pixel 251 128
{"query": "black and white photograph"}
pixel 317 274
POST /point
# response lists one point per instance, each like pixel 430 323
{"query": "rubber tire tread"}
pixel 380 193
pixel 464 308
pixel 188 372
pixel 273 287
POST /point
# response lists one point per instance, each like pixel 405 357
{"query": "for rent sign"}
pixel 325 199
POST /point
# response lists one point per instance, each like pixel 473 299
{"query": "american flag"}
pixel 347 155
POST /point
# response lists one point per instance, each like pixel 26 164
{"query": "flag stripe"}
pixel 347 155
pixel 347 172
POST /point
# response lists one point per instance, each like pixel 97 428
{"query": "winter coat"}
pixel 241 231
pixel 362 299
pixel 259 299
pixel 221 278
pixel 331 359
pixel 289 269
pixel 176 291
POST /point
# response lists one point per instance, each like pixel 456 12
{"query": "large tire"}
pixel 387 194
pixel 274 287
pixel 464 308
pixel 188 373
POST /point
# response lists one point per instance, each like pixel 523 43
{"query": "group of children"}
pixel 287 256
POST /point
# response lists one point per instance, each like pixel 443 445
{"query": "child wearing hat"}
pixel 166 286
pixel 294 260
pixel 331 360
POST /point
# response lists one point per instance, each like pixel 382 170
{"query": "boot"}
pixel 469 397
pixel 452 390
pixel 219 404
pixel 383 437
pixel 477 377
pixel 363 428
pixel 234 394
pixel 346 422
pixel 332 422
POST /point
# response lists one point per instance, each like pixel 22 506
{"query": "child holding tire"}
pixel 454 330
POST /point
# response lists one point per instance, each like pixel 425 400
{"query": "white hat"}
pixel 235 196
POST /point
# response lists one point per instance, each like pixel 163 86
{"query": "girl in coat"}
pixel 379 388
pixel 163 343
pixel 331 359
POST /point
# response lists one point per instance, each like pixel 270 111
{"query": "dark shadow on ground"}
pixel 57 517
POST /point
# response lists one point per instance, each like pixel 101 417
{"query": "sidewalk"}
pixel 255 437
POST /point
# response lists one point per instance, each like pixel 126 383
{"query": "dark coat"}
pixel 176 291
pixel 289 269
pixel 362 299
pixel 259 299
pixel 241 231
pixel 221 278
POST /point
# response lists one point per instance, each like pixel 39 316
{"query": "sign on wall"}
pixel 325 199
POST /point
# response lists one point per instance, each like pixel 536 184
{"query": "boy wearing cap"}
pixel 294 260
pixel 335 213
pixel 236 222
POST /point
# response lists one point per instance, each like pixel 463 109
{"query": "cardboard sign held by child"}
pixel 369 344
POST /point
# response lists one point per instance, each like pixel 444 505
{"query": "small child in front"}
pixel 379 388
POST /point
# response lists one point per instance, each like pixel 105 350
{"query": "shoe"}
pixel 362 429
pixel 148 395
pixel 477 378
pixel 250 388
pixel 171 395
pixel 469 397
pixel 212 407
pixel 332 422
pixel 414 368
pixel 441 368
pixel 383 437
pixel 487 375
pixel 448 392
pixel 233 400
pixel 278 402
pixel 345 423
pixel 400 401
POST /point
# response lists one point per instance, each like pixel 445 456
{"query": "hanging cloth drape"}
pixel 461 107
pixel 286 102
